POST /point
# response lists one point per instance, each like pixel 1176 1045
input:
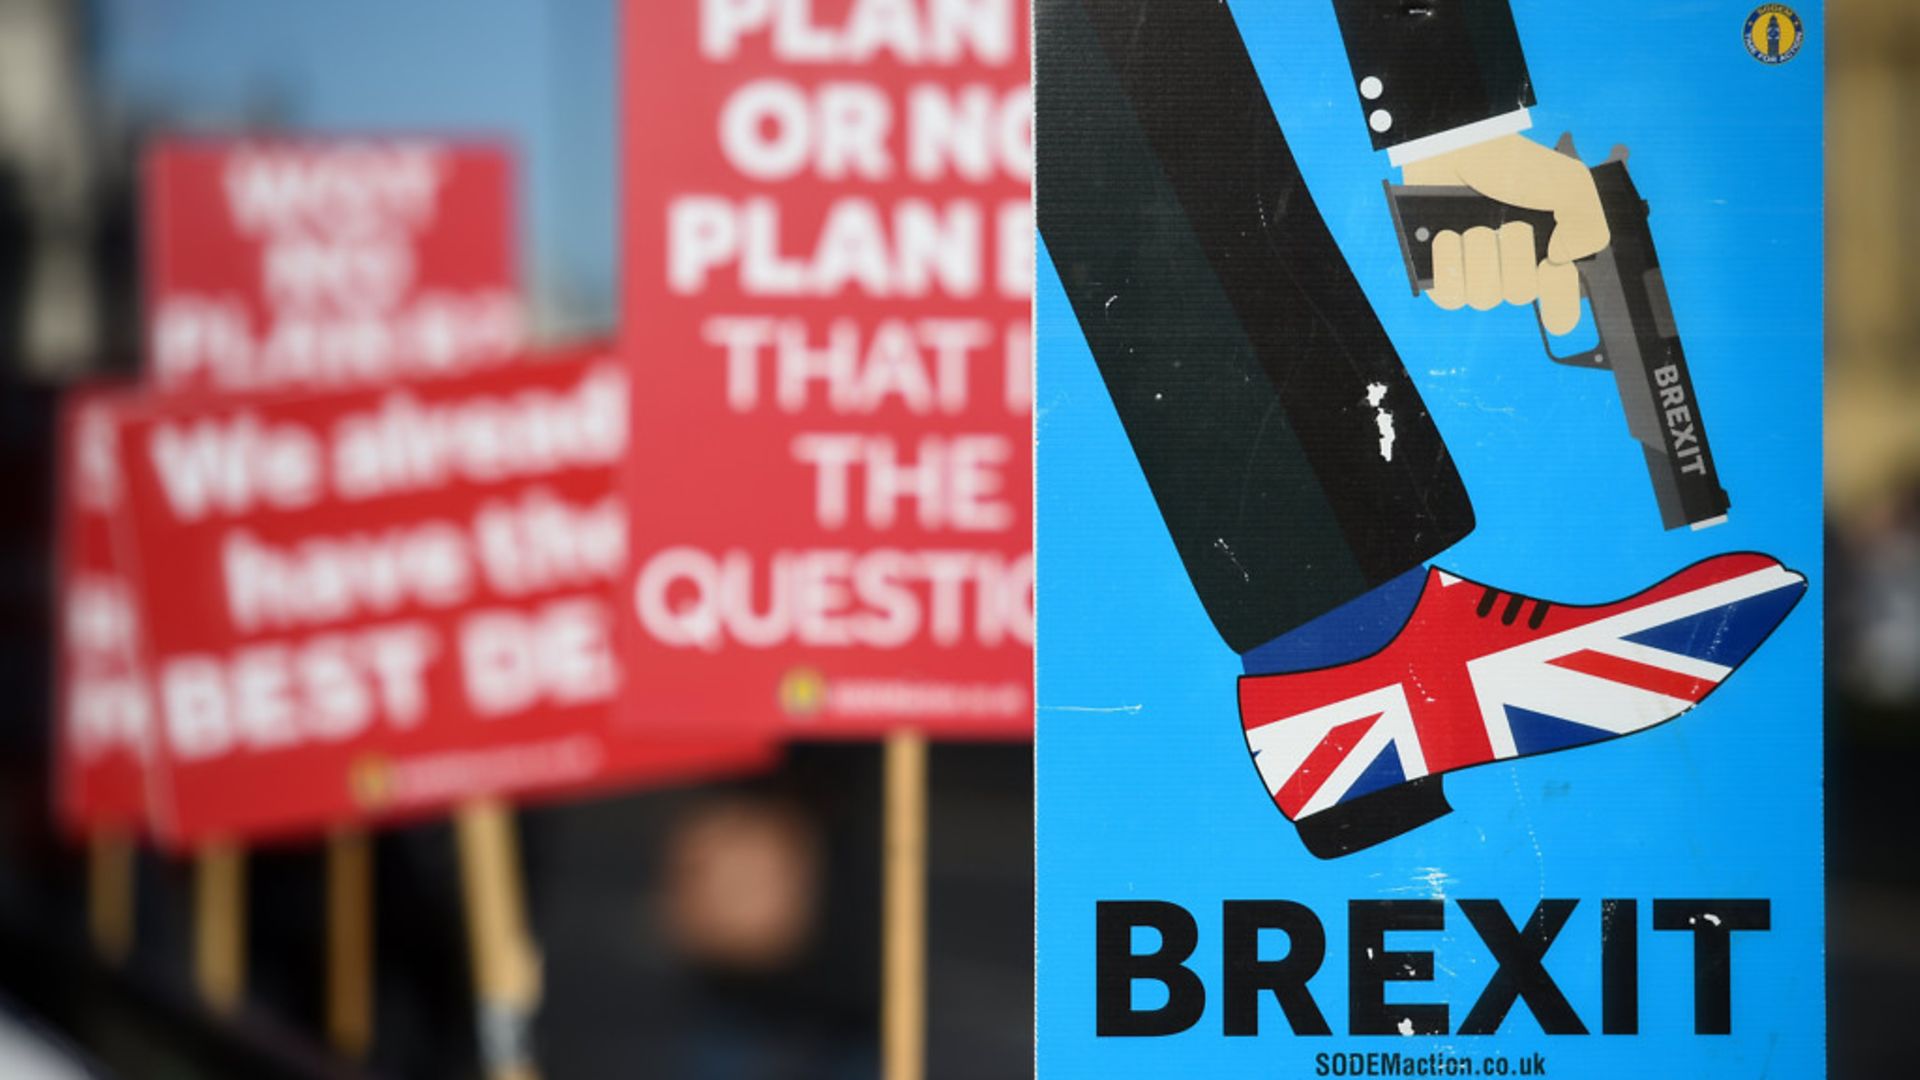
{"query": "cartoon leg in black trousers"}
pixel 1300 476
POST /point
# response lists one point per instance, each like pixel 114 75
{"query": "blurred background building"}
pixel 1873 499
pixel 51 186
pixel 641 966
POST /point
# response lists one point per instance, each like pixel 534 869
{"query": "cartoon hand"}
pixel 1483 267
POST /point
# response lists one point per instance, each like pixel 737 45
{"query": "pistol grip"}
pixel 1422 212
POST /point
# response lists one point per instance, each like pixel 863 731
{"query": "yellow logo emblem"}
pixel 1774 33
pixel 803 692
pixel 370 778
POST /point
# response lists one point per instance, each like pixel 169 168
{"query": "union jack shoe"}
pixel 1353 754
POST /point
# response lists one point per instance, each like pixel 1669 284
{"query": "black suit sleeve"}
pixel 1421 67
pixel 1286 446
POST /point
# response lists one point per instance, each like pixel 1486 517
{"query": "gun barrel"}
pixel 1641 344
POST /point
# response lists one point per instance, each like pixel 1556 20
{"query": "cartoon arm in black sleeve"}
pixel 1444 88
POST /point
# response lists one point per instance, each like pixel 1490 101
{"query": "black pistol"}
pixel 1638 340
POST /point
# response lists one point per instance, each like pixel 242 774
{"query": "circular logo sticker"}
pixel 1773 33
pixel 370 779
pixel 803 693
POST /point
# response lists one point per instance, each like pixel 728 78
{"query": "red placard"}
pixel 324 263
pixel 370 605
pixel 101 697
pixel 828 260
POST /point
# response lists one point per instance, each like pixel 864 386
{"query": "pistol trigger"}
pixel 1594 359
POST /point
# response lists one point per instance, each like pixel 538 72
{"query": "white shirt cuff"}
pixel 1441 142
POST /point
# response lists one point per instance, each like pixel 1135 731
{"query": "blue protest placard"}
pixel 1428 539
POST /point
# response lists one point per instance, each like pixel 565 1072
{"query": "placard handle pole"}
pixel 350 943
pixel 110 892
pixel 506 966
pixel 220 926
pixel 903 982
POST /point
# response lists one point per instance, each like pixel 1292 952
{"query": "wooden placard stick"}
pixel 350 943
pixel 903 981
pixel 110 891
pixel 220 926
pixel 506 966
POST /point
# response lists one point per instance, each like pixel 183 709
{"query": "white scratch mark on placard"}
pixel 1539 856
pixel 1428 881
pixel 1227 550
pixel 1376 395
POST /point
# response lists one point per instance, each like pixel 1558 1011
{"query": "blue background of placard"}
pixel 1144 786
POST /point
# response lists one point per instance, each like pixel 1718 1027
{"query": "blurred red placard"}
pixel 101 699
pixel 828 263
pixel 327 262
pixel 370 605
